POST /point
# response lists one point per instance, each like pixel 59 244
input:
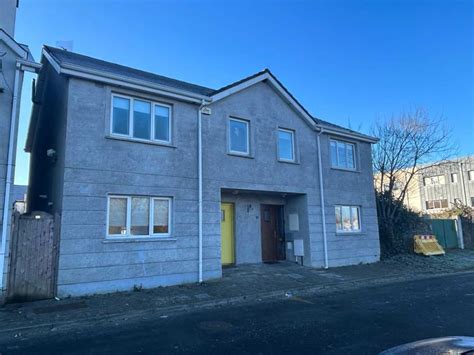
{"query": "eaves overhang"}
pixel 123 81
pixel 344 134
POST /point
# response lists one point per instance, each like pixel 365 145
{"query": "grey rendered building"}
pixel 162 182
pixel 445 185
pixel 15 59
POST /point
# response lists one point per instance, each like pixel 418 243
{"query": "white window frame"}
pixel 453 179
pixel 354 157
pixel 128 235
pixel 434 180
pixel 352 231
pixel 130 119
pixel 470 175
pixel 293 146
pixel 440 204
pixel 247 123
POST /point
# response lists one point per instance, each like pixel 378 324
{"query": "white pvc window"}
pixel 347 219
pixel 454 178
pixel 286 145
pixel 471 175
pixel 434 180
pixel 138 216
pixel 342 155
pixel 140 119
pixel 239 136
pixel 436 204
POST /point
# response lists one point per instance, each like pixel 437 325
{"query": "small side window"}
pixel 286 145
pixel 239 136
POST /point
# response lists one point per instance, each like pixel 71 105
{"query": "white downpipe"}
pixel 6 202
pixel 321 194
pixel 200 187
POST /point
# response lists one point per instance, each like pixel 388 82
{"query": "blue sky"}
pixel 349 62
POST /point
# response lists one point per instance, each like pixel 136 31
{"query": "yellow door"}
pixel 227 234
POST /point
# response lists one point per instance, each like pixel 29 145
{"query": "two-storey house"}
pixel 162 182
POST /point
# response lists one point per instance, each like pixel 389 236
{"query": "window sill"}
pixel 294 162
pixel 137 240
pixel 126 139
pixel 345 169
pixel 350 233
pixel 240 155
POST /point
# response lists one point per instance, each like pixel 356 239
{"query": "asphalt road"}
pixel 363 321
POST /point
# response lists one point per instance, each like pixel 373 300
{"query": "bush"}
pixel 397 231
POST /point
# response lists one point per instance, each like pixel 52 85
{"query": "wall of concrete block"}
pixel 7 81
pixel 96 165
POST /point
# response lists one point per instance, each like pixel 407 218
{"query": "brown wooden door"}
pixel 269 216
pixel 33 257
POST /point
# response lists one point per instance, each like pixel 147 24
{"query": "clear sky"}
pixel 349 62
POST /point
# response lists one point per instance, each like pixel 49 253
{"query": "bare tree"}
pixel 408 144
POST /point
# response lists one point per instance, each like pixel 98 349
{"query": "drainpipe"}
pixel 8 183
pixel 463 184
pixel 200 186
pixel 321 194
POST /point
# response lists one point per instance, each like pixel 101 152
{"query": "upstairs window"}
pixel 347 219
pixel 342 155
pixel 471 175
pixel 239 136
pixel 121 116
pixel 434 180
pixel 286 145
pixel 454 178
pixel 140 119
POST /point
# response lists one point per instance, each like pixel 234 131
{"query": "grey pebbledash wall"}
pixel 91 165
pixel 7 80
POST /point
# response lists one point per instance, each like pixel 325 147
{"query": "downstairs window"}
pixel 138 216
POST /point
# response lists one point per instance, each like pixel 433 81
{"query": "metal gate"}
pixel 445 232
pixel 34 247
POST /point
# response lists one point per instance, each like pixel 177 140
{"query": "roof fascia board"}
pixel 140 85
pixel 135 85
pixel 359 137
pixel 130 85
pixel 10 42
pixel 265 76
pixel 27 65
pixel 52 61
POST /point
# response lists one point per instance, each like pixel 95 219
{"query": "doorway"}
pixel 227 234
pixel 273 241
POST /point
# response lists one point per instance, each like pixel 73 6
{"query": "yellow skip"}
pixel 428 245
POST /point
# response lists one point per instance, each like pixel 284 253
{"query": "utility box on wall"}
pixel 298 247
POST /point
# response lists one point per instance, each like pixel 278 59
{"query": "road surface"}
pixel 363 321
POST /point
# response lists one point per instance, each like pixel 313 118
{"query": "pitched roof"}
pixel 75 60
pixel 64 57
pixel 19 49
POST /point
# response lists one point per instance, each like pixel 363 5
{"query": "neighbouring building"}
pixel 441 186
pixel 15 59
pixel 445 185
pixel 161 182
